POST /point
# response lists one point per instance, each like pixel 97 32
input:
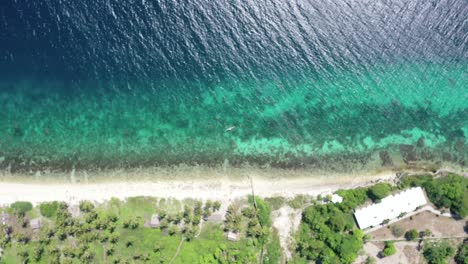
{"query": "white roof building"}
pixel 35 223
pixel 154 221
pixel 335 198
pixel 390 207
pixel 232 236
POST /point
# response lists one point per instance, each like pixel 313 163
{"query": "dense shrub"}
pixel 352 198
pixel 389 249
pixel 298 202
pixel 379 191
pixel 86 206
pixel 412 234
pixel 323 239
pixel 273 250
pixel 450 191
pixel 21 208
pixel 216 206
pixel 437 252
pixel 275 203
pixel 49 209
pixel 462 254
pixel 132 223
pixel 263 211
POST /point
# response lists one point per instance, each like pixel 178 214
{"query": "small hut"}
pixel 233 236
pixel 335 198
pixel 5 217
pixel 154 222
pixel 35 223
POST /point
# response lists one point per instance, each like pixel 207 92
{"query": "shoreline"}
pixel 224 190
pixel 201 183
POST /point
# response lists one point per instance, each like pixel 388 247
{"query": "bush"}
pixel 397 230
pixel 412 234
pixel 21 208
pixel 437 252
pixel 462 254
pixel 425 233
pixel 370 260
pixel 389 249
pixel 216 206
pixel 189 232
pixel 86 206
pixel 275 203
pixel 298 202
pixel 131 223
pixel 327 244
pixel 352 198
pixel 49 209
pixel 379 191
pixel 263 211
pixel 273 250
pixel 172 230
pixel 450 191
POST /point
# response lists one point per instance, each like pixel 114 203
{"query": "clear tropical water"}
pixel 314 84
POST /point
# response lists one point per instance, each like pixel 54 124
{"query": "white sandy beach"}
pixel 221 188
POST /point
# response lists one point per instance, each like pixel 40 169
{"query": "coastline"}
pixel 201 183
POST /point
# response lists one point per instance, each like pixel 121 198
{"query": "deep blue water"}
pixel 285 83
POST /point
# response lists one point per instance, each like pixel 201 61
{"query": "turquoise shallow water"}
pixel 310 85
pixel 307 123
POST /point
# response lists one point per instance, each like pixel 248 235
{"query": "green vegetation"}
pixel 273 250
pixel 352 198
pixel 437 252
pixel 263 211
pixel 412 235
pixel 49 209
pixel 275 203
pixel 328 235
pixel 389 249
pixel 120 232
pixel 115 232
pixel 449 192
pixel 21 208
pixel 298 202
pixel 379 191
pixel 370 260
pixel 462 254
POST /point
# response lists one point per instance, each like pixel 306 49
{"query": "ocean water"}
pixel 326 85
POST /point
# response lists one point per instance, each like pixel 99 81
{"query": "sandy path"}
pixel 220 188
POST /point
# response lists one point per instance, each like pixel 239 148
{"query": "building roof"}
pixel 154 222
pixel 390 207
pixel 35 223
pixel 231 236
pixel 335 198
pixel 5 217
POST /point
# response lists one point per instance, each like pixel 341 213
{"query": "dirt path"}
pixel 178 250
pixel 426 238
pixel 286 220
